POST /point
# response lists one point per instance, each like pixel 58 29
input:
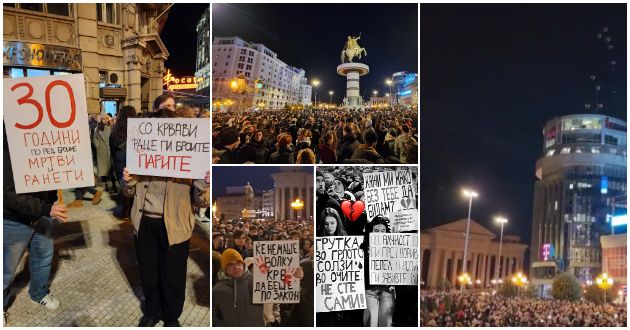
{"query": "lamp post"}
pixel 502 221
pixel 463 280
pixel 331 93
pixel 239 85
pixel 316 83
pixel 389 82
pixel 519 280
pixel 297 205
pixel 376 100
pixel 470 194
pixel 604 282
pixel 388 99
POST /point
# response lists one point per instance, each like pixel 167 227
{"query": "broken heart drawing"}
pixel 352 210
pixel 406 203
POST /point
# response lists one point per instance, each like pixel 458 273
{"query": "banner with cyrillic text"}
pixel 339 269
pixel 275 264
pixel 168 147
pixel 388 192
pixel 393 259
pixel 48 132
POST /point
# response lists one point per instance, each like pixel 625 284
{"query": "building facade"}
pixel 442 254
pixel 409 93
pixel 292 184
pixel 203 54
pixel 399 79
pixel 582 168
pixel 376 101
pixel 269 201
pixel 282 84
pixel 116 47
pixel 231 206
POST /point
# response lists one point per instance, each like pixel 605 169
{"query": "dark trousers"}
pixel 78 192
pixel 162 269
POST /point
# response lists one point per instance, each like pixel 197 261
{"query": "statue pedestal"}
pixel 352 71
pixel 249 214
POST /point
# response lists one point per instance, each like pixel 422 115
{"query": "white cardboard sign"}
pixel 275 263
pixel 387 192
pixel 393 259
pixel 406 220
pixel 48 132
pixel 169 147
pixel 339 272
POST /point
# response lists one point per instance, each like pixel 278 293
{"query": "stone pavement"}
pixel 95 275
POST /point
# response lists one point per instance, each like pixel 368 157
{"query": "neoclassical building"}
pixel 291 184
pixel 442 254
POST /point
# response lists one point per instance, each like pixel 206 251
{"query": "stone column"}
pixel 281 205
pixel 157 87
pixel 488 264
pixel 352 86
pixel 446 254
pixel 87 30
pixel 506 265
pixel 454 267
pixel 276 203
pixel 473 266
pixel 292 198
pixel 435 262
pixel 132 49
pixel 482 269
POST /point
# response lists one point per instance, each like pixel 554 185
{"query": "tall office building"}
pixel 203 53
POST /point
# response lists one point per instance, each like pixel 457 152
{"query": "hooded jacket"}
pixel 400 146
pixel 282 156
pixel 252 151
pixel 369 154
pixel 348 147
pixel 236 308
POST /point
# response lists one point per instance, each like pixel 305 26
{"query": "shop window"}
pixel 37 73
pixel 60 73
pixel 62 9
pixel 107 12
pixel 17 73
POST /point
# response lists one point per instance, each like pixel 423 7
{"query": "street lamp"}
pixel 502 221
pixel 470 194
pixel 388 100
pixel 316 83
pixel 463 280
pixel 519 280
pixel 239 85
pixel 297 205
pixel 604 282
pixel 389 82
pixel 331 93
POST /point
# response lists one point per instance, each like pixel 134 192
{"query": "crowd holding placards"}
pixel 160 208
pixel 236 264
pixel 340 136
pixel 485 310
pixel 367 271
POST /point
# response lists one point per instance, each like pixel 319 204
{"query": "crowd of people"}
pixel 373 136
pixel 386 305
pixel 159 208
pixel 485 310
pixel 232 279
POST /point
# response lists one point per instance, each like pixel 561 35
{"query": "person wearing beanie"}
pixel 366 151
pixel 227 144
pixel 390 141
pixel 232 296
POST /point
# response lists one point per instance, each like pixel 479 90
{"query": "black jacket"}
pixel 252 152
pixel 348 147
pixel 282 156
pixel 369 154
pixel 22 208
pixel 118 155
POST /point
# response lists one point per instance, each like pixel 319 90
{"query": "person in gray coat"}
pixel 232 296
pixel 104 160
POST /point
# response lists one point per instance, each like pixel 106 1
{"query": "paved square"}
pixel 95 275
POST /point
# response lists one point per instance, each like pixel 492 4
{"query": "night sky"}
pixel 492 76
pixel 179 36
pixel 312 36
pixel 259 177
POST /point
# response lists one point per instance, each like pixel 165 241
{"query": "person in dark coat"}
pixel 228 142
pixel 349 145
pixel 367 152
pixel 303 142
pixel 284 155
pixel 293 130
pixel 118 147
pixel 253 151
pixel 327 147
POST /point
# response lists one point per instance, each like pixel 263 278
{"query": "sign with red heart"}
pixel 352 210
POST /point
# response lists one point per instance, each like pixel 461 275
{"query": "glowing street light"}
pixel 331 93
pixel 502 221
pixel 519 280
pixel 604 282
pixel 470 194
pixel 316 83
pixel 464 279
pixel 297 205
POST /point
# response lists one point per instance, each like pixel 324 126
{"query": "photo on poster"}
pixel 366 244
pixel 263 246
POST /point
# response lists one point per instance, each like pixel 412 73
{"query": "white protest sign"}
pixel 48 132
pixel 339 269
pixel 170 147
pixel 406 220
pixel 275 263
pixel 387 192
pixel 393 259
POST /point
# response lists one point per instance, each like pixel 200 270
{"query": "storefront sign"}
pixel 17 53
pixel 187 82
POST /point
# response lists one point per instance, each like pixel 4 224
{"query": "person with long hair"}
pixel 333 226
pixel 328 148
pixel 284 154
pixel 117 144
pixel 303 141
pixel 103 152
pixel 254 151
pixel 380 299
pixel 163 221
pixel 305 156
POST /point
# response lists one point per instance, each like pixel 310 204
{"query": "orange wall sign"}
pixel 187 82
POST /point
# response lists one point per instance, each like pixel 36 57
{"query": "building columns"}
pixel 292 198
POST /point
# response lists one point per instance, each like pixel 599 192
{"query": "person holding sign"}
pixel 163 219
pixel 237 283
pixel 380 299
pixel 27 224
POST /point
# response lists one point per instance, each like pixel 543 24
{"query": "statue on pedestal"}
pixel 352 49
pixel 250 199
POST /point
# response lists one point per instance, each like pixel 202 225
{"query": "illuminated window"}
pixel 565 150
pixel 579 150
pixel 107 12
pixel 551 152
pixel 595 150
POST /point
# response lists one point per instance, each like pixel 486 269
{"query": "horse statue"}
pixel 351 50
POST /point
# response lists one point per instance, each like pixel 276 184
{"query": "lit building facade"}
pixel 442 255
pixel 582 169
pixel 231 206
pixel 116 46
pixel 409 93
pixel 377 101
pixel 268 206
pixel 399 79
pixel 292 184
pixel 203 54
pixel 283 84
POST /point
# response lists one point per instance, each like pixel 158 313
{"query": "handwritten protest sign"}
pixel 275 264
pixel 393 259
pixel 406 220
pixel 48 134
pixel 339 273
pixel 390 191
pixel 171 147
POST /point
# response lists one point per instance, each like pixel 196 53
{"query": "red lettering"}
pixel 56 178
pixel 77 139
pixel 140 159
pixel 25 142
pixel 78 177
pixel 46 177
pixel 26 99
pixel 73 106
pixel 53 137
pixel 181 164
pixel 33 138
pixel 67 176
pixel 64 137
pixel 150 161
pixel 30 163
pixel 60 161
pixel 26 178
pixel 71 161
pixel 35 180
pixel 44 137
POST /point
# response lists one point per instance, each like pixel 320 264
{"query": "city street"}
pixel 95 275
